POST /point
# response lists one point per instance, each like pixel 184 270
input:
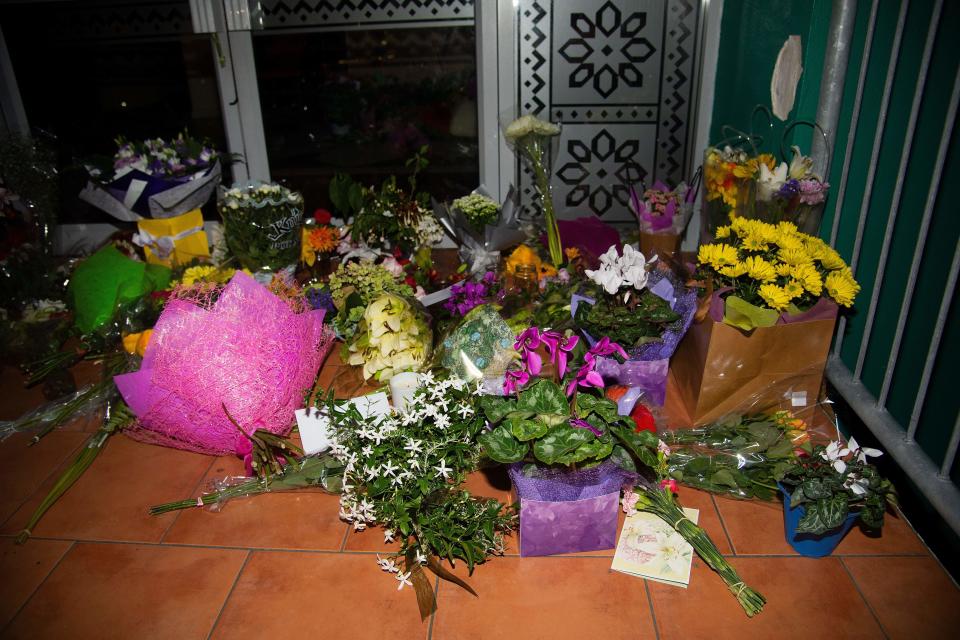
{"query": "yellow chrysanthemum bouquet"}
pixel 764 332
pixel 773 269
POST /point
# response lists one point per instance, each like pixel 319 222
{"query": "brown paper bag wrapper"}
pixel 721 370
pixel 659 244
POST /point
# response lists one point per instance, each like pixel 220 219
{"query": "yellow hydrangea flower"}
pixel 776 297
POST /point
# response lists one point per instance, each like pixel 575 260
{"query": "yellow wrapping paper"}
pixel 185 232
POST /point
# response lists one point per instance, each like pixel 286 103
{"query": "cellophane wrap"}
pixel 240 348
pixel 567 511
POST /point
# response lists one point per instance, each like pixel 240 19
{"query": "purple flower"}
pixel 527 344
pixel 558 347
pixel 577 423
pixel 515 379
pixel 587 375
pixel 789 189
pixel 466 296
pixel 813 192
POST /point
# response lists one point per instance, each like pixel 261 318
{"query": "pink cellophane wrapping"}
pixel 246 349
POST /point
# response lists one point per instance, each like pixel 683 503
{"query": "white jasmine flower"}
pixel 465 410
pixel 443 471
pixel 413 446
pixel 389 469
pixel 403 579
pixel 387 536
pixel 442 421
pixel 387 564
pixel 420 558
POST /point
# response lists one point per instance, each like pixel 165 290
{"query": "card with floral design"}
pixel 650 548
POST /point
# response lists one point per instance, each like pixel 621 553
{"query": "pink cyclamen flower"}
pixel 527 344
pixel 514 380
pixel 558 347
pixel 606 347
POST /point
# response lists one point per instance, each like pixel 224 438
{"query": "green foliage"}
pixel 643 318
pixel 828 494
pixel 537 426
pixel 403 472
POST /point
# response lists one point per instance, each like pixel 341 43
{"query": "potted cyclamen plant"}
pixel 826 492
pixel 570 452
pixel 644 310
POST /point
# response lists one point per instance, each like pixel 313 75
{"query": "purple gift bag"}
pixel 567 511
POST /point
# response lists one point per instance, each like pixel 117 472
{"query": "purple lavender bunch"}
pixel 321 299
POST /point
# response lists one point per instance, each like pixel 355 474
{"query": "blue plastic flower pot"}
pixel 807 544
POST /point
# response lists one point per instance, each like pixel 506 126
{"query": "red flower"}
pixel 643 419
pixel 322 216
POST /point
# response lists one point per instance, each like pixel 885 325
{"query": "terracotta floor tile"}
pixel 23 469
pixel 805 598
pixel 709 518
pixel 492 482
pixel 303 519
pixel 327 374
pixel 370 539
pixel 330 596
pixel 111 500
pixel 23 568
pixel 552 598
pixel 912 597
pixel 896 538
pixel 130 591
pixel 755 527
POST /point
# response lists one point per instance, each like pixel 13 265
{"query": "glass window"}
pixel 91 71
pixel 362 102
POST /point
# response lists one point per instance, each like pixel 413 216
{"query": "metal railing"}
pixel 899 440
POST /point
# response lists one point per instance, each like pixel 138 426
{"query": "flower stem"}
pixel 660 502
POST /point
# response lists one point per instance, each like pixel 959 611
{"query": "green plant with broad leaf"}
pixel 837 480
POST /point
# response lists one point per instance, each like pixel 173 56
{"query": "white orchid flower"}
pixel 770 182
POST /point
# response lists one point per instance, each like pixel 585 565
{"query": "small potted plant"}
pixel 262 225
pixel 826 492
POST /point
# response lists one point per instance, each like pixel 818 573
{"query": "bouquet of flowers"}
pixel 155 178
pixel 743 455
pixel 481 227
pixel 834 481
pixel 262 225
pixel 531 136
pixel 765 270
pixel 553 423
pixel 404 473
pixel 392 336
pixel 390 216
pixel 353 286
pixel 782 192
pixel 663 214
pixel 622 307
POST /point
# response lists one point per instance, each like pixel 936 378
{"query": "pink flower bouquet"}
pixel 245 351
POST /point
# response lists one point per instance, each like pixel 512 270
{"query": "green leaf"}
pixel 589 404
pixel 496 409
pixel 642 445
pixel 543 397
pixel 560 444
pixel 725 478
pixel 524 429
pixel 500 445
pixel 824 515
pixel 623 458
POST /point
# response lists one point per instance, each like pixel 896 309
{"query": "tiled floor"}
pixel 284 565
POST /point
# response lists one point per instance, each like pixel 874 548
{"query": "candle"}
pixel 402 387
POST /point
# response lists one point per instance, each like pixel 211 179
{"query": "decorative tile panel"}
pixel 372 14
pixel 617 75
